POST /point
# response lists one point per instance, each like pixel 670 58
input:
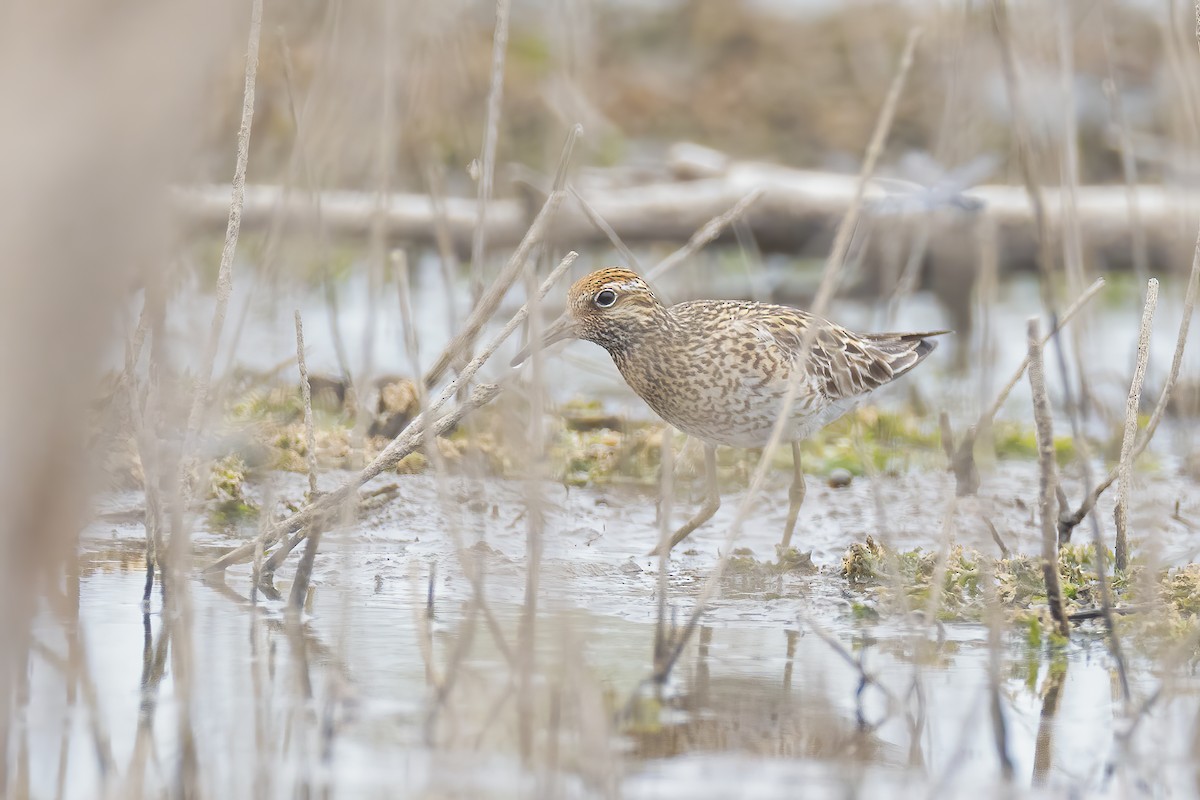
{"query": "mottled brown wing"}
pixel 846 364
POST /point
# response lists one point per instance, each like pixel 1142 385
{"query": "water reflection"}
pixel 331 702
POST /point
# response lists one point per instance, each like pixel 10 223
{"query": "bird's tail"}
pixel 906 349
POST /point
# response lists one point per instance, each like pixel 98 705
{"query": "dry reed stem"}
pixel 706 234
pixel 232 230
pixel 470 565
pixel 1132 403
pixel 488 155
pixel 1068 522
pixel 1112 92
pixel 304 570
pixel 883 125
pixel 535 508
pixel 594 217
pixel 299 123
pixel 413 435
pixel 487 304
pixel 986 418
pixel 1049 478
pixel 1022 136
pixel 1072 234
pixel 829 281
pixel 447 258
pixel 310 440
pixel 483 308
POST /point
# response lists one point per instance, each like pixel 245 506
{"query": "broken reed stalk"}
pixel 613 237
pixel 535 511
pixel 1137 229
pixel 459 346
pixel 1132 403
pixel 1069 196
pixel 411 438
pixel 490 300
pixel 304 569
pixel 706 234
pixel 301 152
pixel 1022 137
pixel 883 126
pixel 1068 521
pixel 310 439
pixel 829 281
pixel 474 575
pixel 1049 477
pixel 232 230
pixel 1057 326
pixel 487 164
pixel 962 456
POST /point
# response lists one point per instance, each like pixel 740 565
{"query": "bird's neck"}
pixel 640 348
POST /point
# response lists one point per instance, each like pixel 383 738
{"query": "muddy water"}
pixel 767 700
pixel 760 703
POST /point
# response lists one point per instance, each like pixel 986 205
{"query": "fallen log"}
pixel 798 213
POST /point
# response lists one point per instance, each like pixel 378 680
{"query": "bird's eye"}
pixel 605 298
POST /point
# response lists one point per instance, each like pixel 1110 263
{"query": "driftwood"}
pixel 797 213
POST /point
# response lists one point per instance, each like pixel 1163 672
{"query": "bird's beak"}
pixel 562 328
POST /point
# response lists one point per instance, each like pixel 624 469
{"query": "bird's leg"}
pixel 712 500
pixel 796 498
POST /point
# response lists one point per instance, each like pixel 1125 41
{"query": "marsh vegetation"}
pixel 283 521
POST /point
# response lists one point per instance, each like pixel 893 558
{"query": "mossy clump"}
pixel 881 570
pixel 1018 585
pixel 225 488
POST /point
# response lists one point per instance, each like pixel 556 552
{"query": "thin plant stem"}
pixel 1132 403
pixel 487 165
pixel 1049 478
pixel 883 126
pixel 412 436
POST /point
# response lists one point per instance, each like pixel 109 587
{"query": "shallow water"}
pixel 763 701
pixel 759 702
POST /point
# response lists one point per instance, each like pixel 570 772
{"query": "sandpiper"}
pixel 719 370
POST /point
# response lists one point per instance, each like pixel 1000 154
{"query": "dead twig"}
pixel 962 455
pixel 487 164
pixel 304 570
pixel 1049 478
pixel 310 440
pixel 232 230
pixel 883 126
pixel 706 234
pixel 1070 520
pixel 412 437
pixel 1132 403
pixel 488 303
pixel 594 217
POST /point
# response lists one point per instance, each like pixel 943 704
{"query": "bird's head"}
pixel 612 307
